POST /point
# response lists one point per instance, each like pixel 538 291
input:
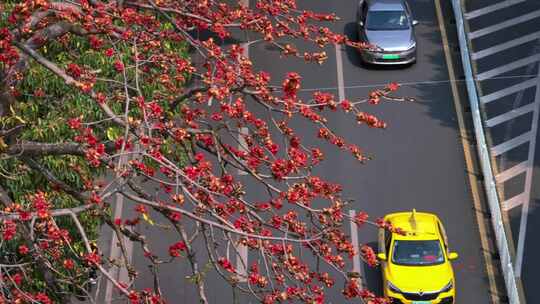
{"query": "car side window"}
pixel 362 11
pixel 407 7
pixel 408 10
pixel 443 234
pixel 387 240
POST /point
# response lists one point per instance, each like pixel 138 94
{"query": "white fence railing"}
pixel 485 161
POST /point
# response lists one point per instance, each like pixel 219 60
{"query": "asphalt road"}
pixel 418 160
pixel 521 29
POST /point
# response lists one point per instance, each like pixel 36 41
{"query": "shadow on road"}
pixel 373 275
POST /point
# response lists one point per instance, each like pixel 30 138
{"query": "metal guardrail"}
pixel 485 162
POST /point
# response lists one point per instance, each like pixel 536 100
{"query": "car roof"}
pixel 386 5
pixel 417 225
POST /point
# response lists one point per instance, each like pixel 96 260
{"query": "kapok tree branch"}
pixel 53 213
pixel 5 199
pixel 89 249
pixel 55 180
pixel 192 258
pixel 33 149
pixel 67 79
pixel 215 224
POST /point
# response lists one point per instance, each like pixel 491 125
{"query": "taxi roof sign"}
pixel 412 221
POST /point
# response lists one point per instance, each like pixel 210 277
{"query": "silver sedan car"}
pixel 388 25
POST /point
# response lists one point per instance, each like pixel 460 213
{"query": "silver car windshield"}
pixel 417 253
pixel 386 21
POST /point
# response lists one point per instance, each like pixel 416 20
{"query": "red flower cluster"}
pixel 8 53
pixel 118 66
pixel 370 120
pixel 323 99
pixel 255 278
pixel 17 278
pixel 74 70
pixel 75 123
pixel 92 258
pixel 68 264
pixel 369 256
pixel 23 249
pixel 9 229
pixel 176 248
pixel 42 298
pixel 291 85
pixel 388 226
pixel 361 217
pixel 41 204
pixel 226 264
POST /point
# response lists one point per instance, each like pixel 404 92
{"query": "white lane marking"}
pixel 503 25
pixel 241 251
pixel 242 256
pixel 339 67
pixel 242 145
pixel 510 115
pixel 354 239
pixel 118 273
pixel 511 144
pixel 510 90
pixel 491 8
pixel 241 262
pixel 508 67
pixel 512 172
pixel 504 46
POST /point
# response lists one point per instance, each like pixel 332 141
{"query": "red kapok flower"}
pixel 369 256
pixel 23 250
pixel 175 249
pixel 109 52
pixel 42 298
pixel 74 70
pixel 68 264
pixel 345 105
pixel 226 264
pixel 92 258
pixel 39 93
pixel 8 230
pixel 118 66
pixel 75 123
pixel 291 84
pixel 17 278
pixel 134 297
pixel 393 86
pixel 361 217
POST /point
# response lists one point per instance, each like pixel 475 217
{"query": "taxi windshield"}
pixel 417 253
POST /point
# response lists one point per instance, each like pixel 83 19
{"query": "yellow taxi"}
pixel 415 262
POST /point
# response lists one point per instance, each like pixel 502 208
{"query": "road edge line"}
pixel 494 293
